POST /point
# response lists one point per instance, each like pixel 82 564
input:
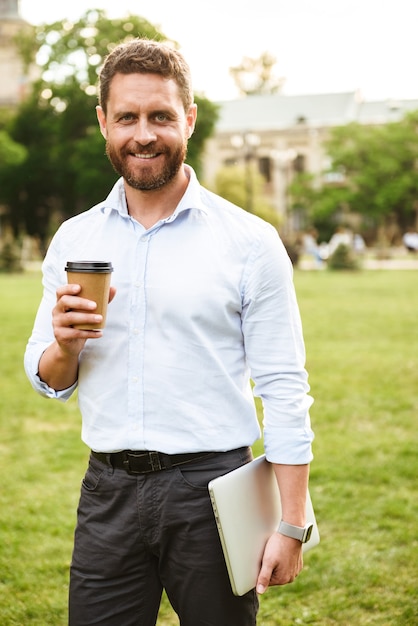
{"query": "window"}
pixel 299 164
pixel 264 167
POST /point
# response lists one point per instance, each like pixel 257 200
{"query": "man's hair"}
pixel 145 56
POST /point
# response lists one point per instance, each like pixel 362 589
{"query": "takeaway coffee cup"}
pixel 94 279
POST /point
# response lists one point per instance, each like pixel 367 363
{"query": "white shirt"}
pixel 205 302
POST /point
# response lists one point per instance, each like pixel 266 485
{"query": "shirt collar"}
pixel 191 200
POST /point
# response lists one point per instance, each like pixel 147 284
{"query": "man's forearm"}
pixel 293 484
pixel 58 369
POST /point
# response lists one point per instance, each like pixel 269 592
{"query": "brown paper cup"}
pixel 94 279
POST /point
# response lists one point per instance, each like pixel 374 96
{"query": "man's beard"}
pixel 144 178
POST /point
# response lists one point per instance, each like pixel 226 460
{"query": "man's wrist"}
pixel 301 533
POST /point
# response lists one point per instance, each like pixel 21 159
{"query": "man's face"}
pixel 146 129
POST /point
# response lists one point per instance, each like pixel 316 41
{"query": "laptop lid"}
pixel 247 509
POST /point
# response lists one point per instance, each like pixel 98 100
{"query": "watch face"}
pixel 308 533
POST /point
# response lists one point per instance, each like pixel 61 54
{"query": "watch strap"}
pixel 301 533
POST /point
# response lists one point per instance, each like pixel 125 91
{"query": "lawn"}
pixel 361 336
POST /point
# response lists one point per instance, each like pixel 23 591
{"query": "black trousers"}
pixel 137 535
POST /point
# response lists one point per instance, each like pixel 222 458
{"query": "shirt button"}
pixel 136 331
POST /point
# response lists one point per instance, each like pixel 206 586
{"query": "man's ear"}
pixel 191 119
pixel 101 118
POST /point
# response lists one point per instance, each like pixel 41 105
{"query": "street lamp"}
pixel 283 160
pixel 247 142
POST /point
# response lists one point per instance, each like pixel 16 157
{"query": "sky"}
pixel 321 46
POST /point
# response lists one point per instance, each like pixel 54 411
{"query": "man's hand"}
pixel 58 366
pixel 71 340
pixel 282 559
pixel 282 562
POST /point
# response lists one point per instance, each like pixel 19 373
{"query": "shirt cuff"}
pixel 31 364
pixel 292 446
pixel 47 391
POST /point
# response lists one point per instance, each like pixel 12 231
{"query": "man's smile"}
pixel 140 155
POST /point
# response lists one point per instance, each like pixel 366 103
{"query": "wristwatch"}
pixel 302 533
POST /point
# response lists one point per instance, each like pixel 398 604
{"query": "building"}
pixel 286 134
pixel 14 77
pixel 281 134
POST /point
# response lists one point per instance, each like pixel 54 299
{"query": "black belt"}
pixel 144 462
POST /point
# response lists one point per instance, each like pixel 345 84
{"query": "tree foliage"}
pixel 255 76
pixel 243 186
pixel 374 174
pixel 11 152
pixel 65 170
pixel 380 165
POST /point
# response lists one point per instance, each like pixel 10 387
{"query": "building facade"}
pixel 283 135
pixel 14 77
pixel 279 134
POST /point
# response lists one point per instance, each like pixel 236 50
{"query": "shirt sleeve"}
pixel 275 351
pixel 42 334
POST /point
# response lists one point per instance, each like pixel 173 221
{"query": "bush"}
pixel 343 258
pixel 10 259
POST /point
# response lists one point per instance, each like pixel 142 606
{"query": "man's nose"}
pixel 144 132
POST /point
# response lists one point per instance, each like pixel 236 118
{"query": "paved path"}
pixel 406 263
pixel 391 264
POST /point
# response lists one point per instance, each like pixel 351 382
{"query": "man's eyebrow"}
pixel 123 112
pixel 166 111
pixel 157 111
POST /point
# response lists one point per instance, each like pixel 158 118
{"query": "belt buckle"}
pixel 151 461
pixel 155 461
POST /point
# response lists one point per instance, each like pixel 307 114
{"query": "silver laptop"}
pixel 246 504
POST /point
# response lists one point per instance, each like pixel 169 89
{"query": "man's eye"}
pixel 161 117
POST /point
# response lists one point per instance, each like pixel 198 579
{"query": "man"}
pixel 202 299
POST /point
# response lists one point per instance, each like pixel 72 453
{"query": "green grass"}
pixel 361 335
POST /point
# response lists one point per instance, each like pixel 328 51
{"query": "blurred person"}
pixel 311 247
pixel 341 237
pixel 410 240
pixel 202 303
pixel 359 245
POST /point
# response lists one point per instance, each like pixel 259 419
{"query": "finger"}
pixel 73 318
pixel 261 588
pixel 69 335
pixel 263 579
pixel 68 303
pixel 67 289
pixel 71 310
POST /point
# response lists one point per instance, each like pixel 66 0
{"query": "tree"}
pixel 377 169
pixel 380 165
pixel 319 206
pixel 232 183
pixel 256 76
pixel 66 171
pixel 28 184
pixel 11 153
